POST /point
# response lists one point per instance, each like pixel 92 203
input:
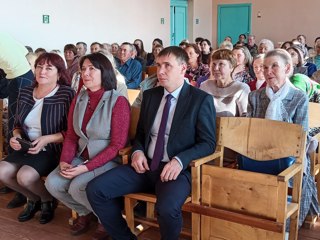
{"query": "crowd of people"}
pixel 69 116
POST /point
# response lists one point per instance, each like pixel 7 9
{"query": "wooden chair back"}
pixel 314 115
pixel 314 121
pixel 237 204
pixel 132 95
pixel 151 70
pixel 134 118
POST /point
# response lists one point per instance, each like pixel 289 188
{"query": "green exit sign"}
pixel 45 19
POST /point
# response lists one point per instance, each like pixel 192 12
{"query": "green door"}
pixel 178 15
pixel 233 20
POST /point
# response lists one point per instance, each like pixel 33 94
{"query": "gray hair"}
pixel 267 42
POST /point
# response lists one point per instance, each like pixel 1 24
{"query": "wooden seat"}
pixel 238 204
pixel 150 199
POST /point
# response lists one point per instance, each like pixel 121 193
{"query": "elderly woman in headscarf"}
pixel 281 101
pixel 312 89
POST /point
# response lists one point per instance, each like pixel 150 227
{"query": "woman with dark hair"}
pixel 40 123
pixel 98 125
pixel 155 51
pixel 155 42
pixel 205 51
pixel 195 68
pixel 142 52
pixel 300 65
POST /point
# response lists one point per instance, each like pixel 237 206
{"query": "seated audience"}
pixel 96 47
pixel 241 41
pixel 41 120
pixel 161 154
pixel 156 41
pixel 183 44
pixel 260 81
pixel 115 49
pixel 81 48
pixel 297 60
pixel 228 39
pixel 281 101
pixel 303 40
pixel 136 55
pixel 316 59
pixel 195 68
pixel 142 52
pixel 39 51
pixel 230 97
pixel 285 45
pixel 265 45
pixel 226 45
pixel 205 51
pixel 155 51
pixel 312 89
pixel 72 59
pixel 198 41
pixel 98 126
pixel 251 45
pixel 130 68
pixel 243 57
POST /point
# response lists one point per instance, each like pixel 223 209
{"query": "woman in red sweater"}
pixel 98 125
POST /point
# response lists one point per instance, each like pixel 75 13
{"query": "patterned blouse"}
pixel 194 74
pixel 243 76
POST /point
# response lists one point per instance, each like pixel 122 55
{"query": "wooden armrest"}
pixel 288 173
pixel 125 151
pixel 198 162
pixel 291 208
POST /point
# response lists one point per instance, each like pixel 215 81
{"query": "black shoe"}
pixel 47 211
pixel 29 211
pixel 18 201
pixel 5 190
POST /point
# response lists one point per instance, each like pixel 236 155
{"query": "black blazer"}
pixel 193 130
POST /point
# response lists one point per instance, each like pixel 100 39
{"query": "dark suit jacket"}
pixel 193 130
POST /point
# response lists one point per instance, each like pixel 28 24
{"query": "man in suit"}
pixel 189 134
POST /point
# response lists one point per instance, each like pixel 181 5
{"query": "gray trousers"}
pixel 72 192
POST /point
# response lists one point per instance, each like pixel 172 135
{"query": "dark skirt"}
pixel 43 162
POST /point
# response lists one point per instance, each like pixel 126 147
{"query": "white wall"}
pixel 77 20
pixel 202 10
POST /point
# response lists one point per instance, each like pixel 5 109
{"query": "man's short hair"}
pixel 178 52
pixel 129 44
pixel 83 43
